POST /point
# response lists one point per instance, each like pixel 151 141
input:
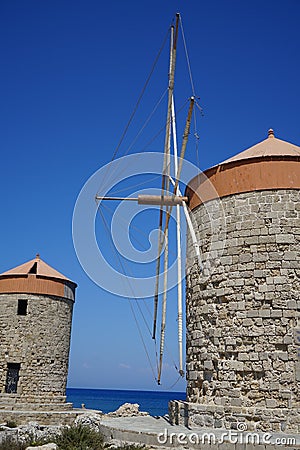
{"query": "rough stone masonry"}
pixel 36 304
pixel 243 329
pixel 39 341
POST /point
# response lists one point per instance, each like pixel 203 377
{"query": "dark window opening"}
pixel 12 378
pixel 33 268
pixel 22 307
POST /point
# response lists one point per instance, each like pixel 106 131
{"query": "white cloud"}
pixel 124 366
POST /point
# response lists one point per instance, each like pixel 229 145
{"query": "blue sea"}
pixel 154 402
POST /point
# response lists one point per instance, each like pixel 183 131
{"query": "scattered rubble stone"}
pixel 128 410
pixel 90 420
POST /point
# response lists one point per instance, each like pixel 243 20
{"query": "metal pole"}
pixel 179 261
pixel 127 199
pixel 191 229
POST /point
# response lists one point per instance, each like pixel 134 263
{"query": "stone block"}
pixel 208 365
pixel 280 280
pixel 192 375
pixel 243 356
pixel 285 239
pixel 291 304
pixel 264 313
pixel 290 256
pixel 276 313
pixel 245 258
pixel 289 313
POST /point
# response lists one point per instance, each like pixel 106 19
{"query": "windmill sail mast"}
pixel 167 200
pixel 165 188
pixel 178 234
pixel 166 167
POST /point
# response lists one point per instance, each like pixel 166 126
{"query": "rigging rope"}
pixel 146 122
pixel 137 301
pixel 130 273
pixel 163 128
pixel 193 91
pixel 139 99
pixel 168 351
pixel 132 309
pixel 137 185
pixel 141 336
pixel 196 135
pixel 138 155
pixel 117 257
pixel 138 230
pixel 187 58
pixel 174 384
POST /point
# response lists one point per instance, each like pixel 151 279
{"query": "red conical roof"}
pixel 36 277
pixel 270 164
pixel 35 266
pixel 269 147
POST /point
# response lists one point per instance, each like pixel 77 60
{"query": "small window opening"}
pixel 12 378
pixel 33 268
pixel 22 307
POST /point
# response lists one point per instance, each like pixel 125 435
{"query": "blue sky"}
pixel 69 78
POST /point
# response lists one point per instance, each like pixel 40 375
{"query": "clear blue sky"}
pixel 70 74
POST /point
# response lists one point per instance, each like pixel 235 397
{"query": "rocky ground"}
pixel 128 426
pixel 35 431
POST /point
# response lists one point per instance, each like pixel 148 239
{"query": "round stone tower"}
pixel 36 304
pixel 243 301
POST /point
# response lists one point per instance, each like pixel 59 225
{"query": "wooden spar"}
pixel 168 200
pixel 191 229
pixel 184 142
pixel 179 294
pixel 165 234
pixel 166 168
pixel 143 199
pixel 164 311
pixel 166 174
pixel 177 190
pixel 179 270
pixel 182 153
pixel 128 199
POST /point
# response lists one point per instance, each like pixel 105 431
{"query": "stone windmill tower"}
pixel 243 320
pixel 36 304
